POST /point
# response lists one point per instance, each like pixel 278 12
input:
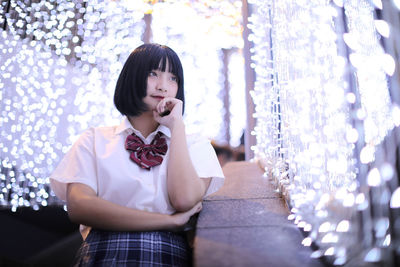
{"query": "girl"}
pixel 133 187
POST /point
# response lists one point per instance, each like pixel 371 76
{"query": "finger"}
pixel 167 105
pixel 170 101
pixel 193 210
pixel 170 105
pixel 156 116
pixel 197 207
pixel 161 106
pixel 173 104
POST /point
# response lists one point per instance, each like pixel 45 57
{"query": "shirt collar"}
pixel 125 125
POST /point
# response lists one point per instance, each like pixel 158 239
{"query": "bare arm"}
pixel 86 208
pixel 185 188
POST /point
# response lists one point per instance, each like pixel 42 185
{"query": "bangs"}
pixel 160 59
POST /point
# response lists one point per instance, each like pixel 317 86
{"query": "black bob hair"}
pixel 132 82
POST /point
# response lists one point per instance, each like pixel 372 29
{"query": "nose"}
pixel 162 84
pixel 161 89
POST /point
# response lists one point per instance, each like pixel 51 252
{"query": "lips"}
pixel 157 97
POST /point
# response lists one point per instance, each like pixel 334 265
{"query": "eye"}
pixel 153 73
pixel 174 78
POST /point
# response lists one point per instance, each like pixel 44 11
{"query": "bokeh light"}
pixel 59 63
pixel 324 117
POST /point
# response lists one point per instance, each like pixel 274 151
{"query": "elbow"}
pixel 73 213
pixel 76 210
pixel 184 199
pixel 79 202
pixel 182 204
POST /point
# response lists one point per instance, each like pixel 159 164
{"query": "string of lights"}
pixel 59 63
pixel 326 123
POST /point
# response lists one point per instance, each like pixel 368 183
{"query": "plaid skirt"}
pixel 113 248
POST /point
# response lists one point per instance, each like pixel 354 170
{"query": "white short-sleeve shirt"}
pixel 99 159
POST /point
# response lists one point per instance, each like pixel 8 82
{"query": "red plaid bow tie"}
pixel 146 156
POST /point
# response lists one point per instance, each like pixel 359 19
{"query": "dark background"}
pixel 37 238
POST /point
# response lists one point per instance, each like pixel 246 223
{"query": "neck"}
pixel 144 123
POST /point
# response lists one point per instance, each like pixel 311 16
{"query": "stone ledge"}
pixel 255 246
pixel 243 212
pixel 245 224
pixel 256 186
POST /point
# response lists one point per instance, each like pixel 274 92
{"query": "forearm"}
pixel 185 188
pixel 93 211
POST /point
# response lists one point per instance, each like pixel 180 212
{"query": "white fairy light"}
pixel 330 251
pixel 396 3
pixel 349 200
pixel 322 110
pixel 367 154
pixel 395 199
pixel 378 3
pixel 387 241
pixel 387 172
pixel 330 238
pixel 59 62
pixel 307 241
pixel 307 227
pixel 388 64
pixel 371 65
pixel 339 3
pixel 374 177
pixel 325 227
pixel 352 135
pixel 343 226
pixel 374 255
pixel 382 27
pixel 396 115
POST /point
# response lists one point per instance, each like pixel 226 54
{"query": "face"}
pixel 160 85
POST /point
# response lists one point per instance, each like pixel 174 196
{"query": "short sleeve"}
pixel 77 166
pixel 206 163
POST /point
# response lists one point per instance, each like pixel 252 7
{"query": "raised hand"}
pixel 168 111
